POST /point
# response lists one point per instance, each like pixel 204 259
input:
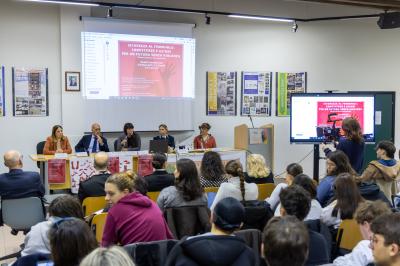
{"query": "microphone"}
pixel 251 120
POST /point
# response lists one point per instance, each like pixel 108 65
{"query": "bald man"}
pixel 94 142
pixel 18 183
pixel 94 186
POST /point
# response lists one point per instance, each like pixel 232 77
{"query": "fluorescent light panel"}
pixel 64 3
pixel 262 18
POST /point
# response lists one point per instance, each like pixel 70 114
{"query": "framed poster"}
pixel 286 84
pixel 2 92
pixel 221 93
pixel 30 91
pixel 256 94
pixel 72 81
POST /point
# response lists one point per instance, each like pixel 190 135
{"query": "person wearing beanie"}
pixel 220 246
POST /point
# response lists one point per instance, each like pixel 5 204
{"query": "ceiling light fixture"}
pixel 276 19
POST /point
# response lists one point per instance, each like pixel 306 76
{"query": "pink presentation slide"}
pixel 150 69
pixel 342 109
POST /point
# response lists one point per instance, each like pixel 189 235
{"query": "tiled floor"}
pixel 9 243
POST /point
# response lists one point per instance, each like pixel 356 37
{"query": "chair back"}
pixel 348 235
pixel 188 220
pixel 211 189
pixel 39 150
pixel 153 195
pixel 93 204
pixel 265 190
pixel 152 253
pixel 98 223
pixel 22 214
pixel 115 144
pixel 211 192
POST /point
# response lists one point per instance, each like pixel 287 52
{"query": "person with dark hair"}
pixel 94 142
pixel 187 190
pixel 133 217
pixel 292 170
pixel 385 242
pixel 236 187
pixel 70 241
pixel 204 140
pixel 296 201
pixel 163 130
pixel 94 186
pixel 285 242
pixel 337 162
pixel 384 171
pixel 361 255
pixel 212 170
pixel 220 246
pixel 160 178
pixel 37 240
pixel 345 201
pixel 130 140
pixel 257 170
pixel 57 142
pixel 308 184
pixel 353 144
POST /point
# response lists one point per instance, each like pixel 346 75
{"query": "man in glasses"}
pixel 385 242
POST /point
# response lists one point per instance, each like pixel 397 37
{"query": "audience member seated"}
pixel 187 190
pixel 94 186
pixel 285 242
pixel 345 201
pixel 385 241
pixel 371 191
pixel 212 172
pixel 130 140
pixel 385 170
pixel 236 187
pixel 57 142
pixel 361 254
pixel 296 201
pixel 113 256
pixel 292 170
pixel 160 178
pixel 204 140
pixel 163 130
pixel 336 163
pixel 37 240
pixel 133 217
pixel 70 241
pixel 220 246
pixel 308 184
pixel 257 171
pixel 18 183
pixel 92 143
pixel 352 144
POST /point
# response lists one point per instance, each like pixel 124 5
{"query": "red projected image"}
pixel 150 69
pixel 339 111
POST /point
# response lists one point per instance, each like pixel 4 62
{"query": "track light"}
pixel 276 19
pixel 110 12
pixel 295 26
pixel 208 18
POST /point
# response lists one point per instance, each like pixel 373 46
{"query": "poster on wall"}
pixel 80 170
pixel 221 93
pixel 2 92
pixel 286 84
pixel 256 93
pixel 30 92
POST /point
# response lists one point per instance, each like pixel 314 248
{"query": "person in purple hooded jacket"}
pixel 133 217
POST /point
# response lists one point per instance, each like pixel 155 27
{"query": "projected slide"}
pixel 131 66
pixel 341 110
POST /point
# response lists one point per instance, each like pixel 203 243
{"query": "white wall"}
pixel 338 55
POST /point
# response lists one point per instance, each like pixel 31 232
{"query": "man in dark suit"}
pixel 160 178
pixel 94 186
pixel 18 183
pixel 92 143
pixel 163 130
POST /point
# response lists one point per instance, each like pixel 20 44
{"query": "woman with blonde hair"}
pixel 133 217
pixel 236 187
pixel 113 256
pixel 257 171
pixel 57 142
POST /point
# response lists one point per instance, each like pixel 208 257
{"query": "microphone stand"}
pixel 251 120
